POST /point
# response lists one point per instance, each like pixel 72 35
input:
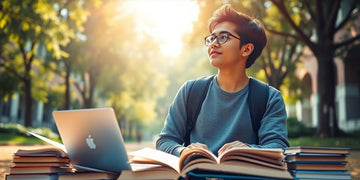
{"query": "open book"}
pixel 240 161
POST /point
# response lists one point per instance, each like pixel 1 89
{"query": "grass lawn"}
pixel 349 142
pixel 13 139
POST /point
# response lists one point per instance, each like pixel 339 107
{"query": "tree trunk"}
pixel 67 87
pixel 28 103
pixel 326 88
pixel 90 94
pixel 276 79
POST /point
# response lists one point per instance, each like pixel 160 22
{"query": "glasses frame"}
pixel 217 39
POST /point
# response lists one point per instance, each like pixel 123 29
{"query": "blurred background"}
pixel 133 55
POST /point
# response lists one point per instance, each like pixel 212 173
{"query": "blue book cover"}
pixel 310 174
pixel 195 175
pixel 318 150
pixel 317 162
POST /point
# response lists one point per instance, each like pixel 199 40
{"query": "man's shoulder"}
pixel 272 89
pixel 200 82
pixel 275 95
pixel 203 78
pixel 273 92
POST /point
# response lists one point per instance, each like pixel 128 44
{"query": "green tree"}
pixel 279 59
pixel 325 19
pixel 27 26
pixel 113 64
pixel 282 55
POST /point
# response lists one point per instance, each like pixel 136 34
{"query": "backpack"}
pixel 257 100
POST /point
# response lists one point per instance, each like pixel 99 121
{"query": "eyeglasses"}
pixel 221 38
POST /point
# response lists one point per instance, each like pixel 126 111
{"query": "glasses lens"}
pixel 222 38
pixel 209 40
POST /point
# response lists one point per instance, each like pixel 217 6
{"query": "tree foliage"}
pixel 112 65
pixel 322 21
pixel 29 27
pixel 82 54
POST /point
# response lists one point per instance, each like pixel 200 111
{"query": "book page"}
pixel 239 156
pixel 275 153
pixel 56 144
pixel 192 156
pixel 144 167
pixel 157 156
pixel 48 151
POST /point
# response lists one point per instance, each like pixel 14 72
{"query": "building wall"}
pixel 347 94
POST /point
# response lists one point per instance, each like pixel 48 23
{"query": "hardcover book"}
pixel 315 157
pixel 42 163
pixel 321 150
pixel 317 165
pixel 306 162
pixel 305 174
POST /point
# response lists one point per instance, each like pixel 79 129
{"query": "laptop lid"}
pixel 92 138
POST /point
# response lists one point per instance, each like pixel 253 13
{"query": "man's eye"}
pixel 211 38
pixel 222 37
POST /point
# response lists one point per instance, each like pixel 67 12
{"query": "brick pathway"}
pixel 7 151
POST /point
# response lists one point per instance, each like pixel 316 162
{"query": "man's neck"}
pixel 231 81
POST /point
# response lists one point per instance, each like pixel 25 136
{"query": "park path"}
pixel 7 151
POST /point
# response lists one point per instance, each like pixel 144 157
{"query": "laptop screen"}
pixel 93 139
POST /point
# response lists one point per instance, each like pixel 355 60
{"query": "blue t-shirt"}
pixel 224 117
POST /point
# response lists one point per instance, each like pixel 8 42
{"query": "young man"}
pixel 224 121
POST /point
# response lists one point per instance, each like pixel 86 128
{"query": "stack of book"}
pixel 317 162
pixel 48 164
pixel 43 163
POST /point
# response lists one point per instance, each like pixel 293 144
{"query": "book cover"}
pixel 48 151
pixel 87 175
pixel 29 159
pixel 316 166
pixel 309 149
pixel 315 157
pixel 34 164
pixel 39 170
pixel 31 177
pixel 310 174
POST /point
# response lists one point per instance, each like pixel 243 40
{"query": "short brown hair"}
pixel 249 29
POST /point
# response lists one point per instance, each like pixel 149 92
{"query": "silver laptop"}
pixel 92 139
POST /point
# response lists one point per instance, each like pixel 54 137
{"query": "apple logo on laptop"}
pixel 90 142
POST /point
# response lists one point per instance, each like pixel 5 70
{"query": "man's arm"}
pixel 171 138
pixel 273 132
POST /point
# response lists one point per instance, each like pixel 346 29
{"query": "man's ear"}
pixel 247 49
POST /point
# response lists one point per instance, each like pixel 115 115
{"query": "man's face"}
pixel 227 54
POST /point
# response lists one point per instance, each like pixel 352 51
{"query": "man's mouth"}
pixel 214 53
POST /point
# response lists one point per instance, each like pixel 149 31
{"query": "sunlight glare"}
pixel 165 20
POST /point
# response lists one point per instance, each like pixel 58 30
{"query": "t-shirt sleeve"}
pixel 273 132
pixel 171 138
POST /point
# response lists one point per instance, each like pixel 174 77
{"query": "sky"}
pixel 165 20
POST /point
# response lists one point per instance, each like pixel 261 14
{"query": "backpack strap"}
pixel 257 99
pixel 197 94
